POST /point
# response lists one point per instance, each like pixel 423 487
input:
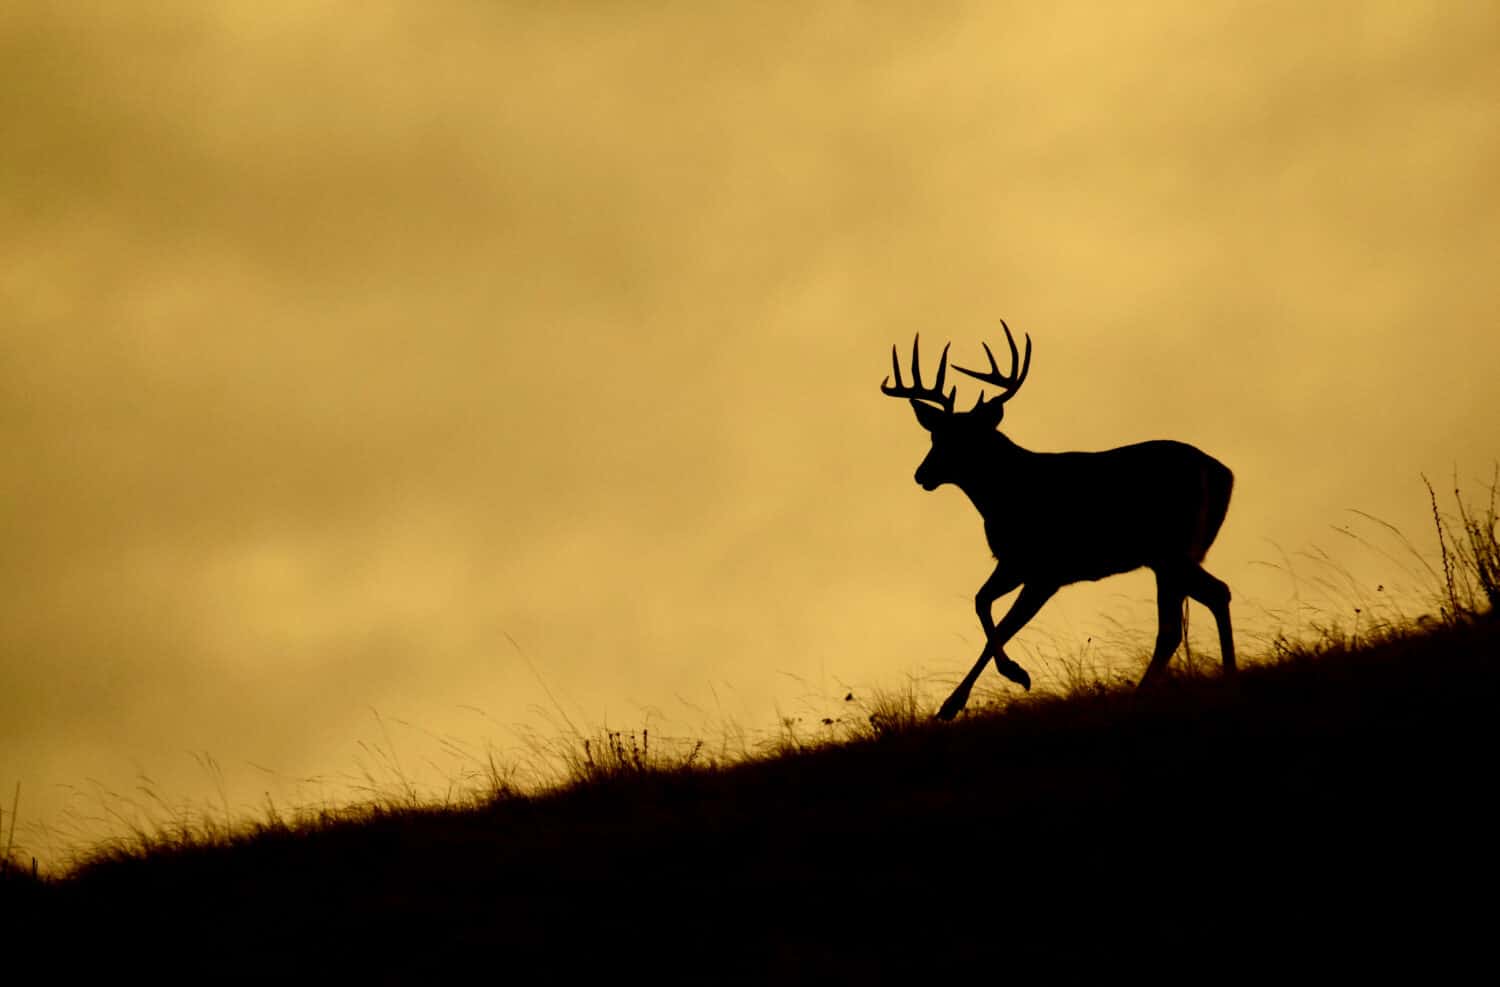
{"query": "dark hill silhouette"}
pixel 1328 810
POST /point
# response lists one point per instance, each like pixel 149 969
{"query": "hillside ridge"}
pixel 1331 797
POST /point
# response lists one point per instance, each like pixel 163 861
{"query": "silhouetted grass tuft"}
pixel 614 754
pixel 893 712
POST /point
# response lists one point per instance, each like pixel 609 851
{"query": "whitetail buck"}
pixel 1054 518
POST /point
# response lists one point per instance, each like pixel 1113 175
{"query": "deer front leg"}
pixel 1033 596
pixel 1000 583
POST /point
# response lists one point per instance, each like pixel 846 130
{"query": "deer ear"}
pixel 990 413
pixel 928 416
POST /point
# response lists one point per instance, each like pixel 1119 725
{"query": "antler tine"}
pixel 1025 365
pixel 896 367
pixel 994 367
pixel 917 390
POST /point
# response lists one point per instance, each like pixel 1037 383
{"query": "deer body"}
pixel 1153 514
pixel 1052 519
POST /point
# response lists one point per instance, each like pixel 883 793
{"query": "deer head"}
pixel 956 435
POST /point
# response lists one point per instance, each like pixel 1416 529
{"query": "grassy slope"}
pixel 1335 803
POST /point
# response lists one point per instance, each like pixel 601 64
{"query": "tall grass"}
pixel 8 862
pixel 1469 544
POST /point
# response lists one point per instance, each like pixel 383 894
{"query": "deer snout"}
pixel 927 474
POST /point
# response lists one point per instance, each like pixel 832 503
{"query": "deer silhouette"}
pixel 1055 518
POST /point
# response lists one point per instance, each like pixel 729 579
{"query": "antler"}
pixel 917 391
pixel 1010 384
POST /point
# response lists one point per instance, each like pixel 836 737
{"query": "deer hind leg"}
pixel 1033 595
pixel 1169 597
pixel 1214 594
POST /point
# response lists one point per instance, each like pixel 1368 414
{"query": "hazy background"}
pixel 415 357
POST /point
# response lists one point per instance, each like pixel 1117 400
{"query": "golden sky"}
pixel 344 344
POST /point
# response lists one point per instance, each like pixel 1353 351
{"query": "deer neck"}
pixel 997 475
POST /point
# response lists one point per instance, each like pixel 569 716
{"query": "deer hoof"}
pixel 950 709
pixel 1015 673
